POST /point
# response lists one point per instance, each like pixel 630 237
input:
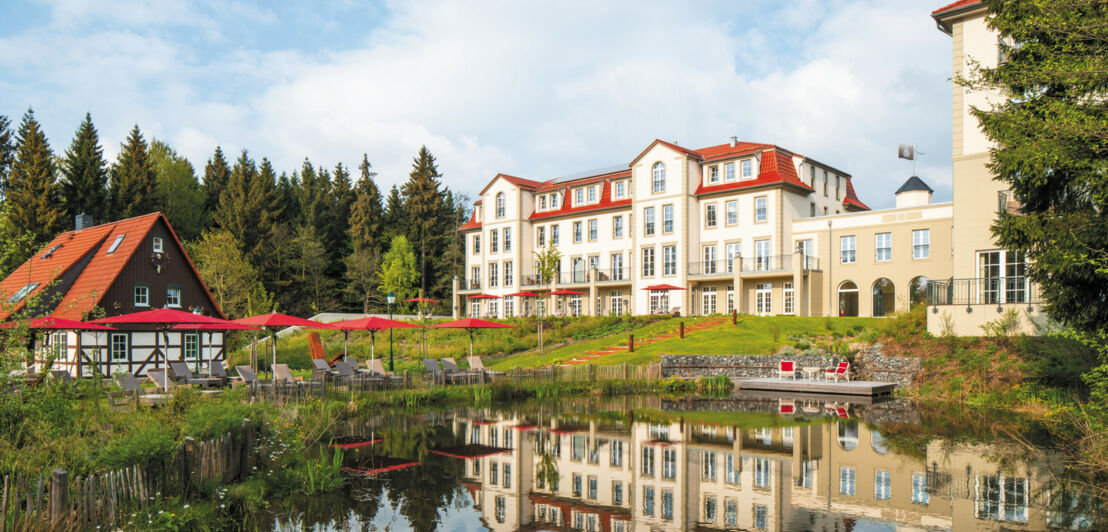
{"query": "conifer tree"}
pixel 134 183
pixel 216 175
pixel 396 217
pixel 342 200
pixel 312 196
pixel 85 189
pixel 181 195
pixel 288 199
pixel 34 196
pixel 7 152
pixel 367 213
pixel 424 205
pixel 239 212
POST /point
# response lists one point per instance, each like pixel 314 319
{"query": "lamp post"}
pixel 391 298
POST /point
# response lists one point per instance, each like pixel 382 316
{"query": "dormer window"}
pixel 542 202
pixel 747 169
pixel 22 293
pixel 554 201
pixel 592 194
pixel 159 244
pixel 713 174
pixel 578 196
pixel 115 245
pixel 620 189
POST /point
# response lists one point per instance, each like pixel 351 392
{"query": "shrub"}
pixel 146 444
pixel 787 351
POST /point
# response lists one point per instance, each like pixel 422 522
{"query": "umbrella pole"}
pixel 274 338
pixel 345 339
pixel 372 345
pixel 471 342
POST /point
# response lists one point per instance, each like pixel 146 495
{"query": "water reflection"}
pixel 661 468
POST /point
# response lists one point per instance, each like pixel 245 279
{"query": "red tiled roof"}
pixel 472 223
pixel 100 272
pixel 670 145
pixel 955 5
pixel 851 201
pixel 517 181
pixel 554 184
pixel 777 167
pixel 725 151
pixel 606 201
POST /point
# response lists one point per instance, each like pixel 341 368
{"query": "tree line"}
pixel 316 239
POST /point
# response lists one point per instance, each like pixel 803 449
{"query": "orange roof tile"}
pixel 776 167
pixel 851 201
pixel 955 5
pixel 606 200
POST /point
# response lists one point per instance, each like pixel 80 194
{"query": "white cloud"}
pixel 537 90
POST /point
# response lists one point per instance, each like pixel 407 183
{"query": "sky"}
pixel 532 89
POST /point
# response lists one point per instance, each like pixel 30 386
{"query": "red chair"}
pixel 786 406
pixel 838 372
pixel 786 368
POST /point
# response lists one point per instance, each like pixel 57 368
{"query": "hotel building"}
pixel 754 228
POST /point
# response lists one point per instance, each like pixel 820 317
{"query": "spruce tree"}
pixel 396 216
pixel 424 207
pixel 7 153
pixel 367 213
pixel 288 199
pixel 238 211
pixel 181 195
pixel 342 197
pixel 34 196
pixel 134 182
pixel 216 174
pixel 85 189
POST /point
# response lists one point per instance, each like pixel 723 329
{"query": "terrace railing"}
pixel 983 291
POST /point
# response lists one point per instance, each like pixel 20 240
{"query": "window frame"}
pixel 658 178
pixel 157 244
pixel 668 224
pixel 135 295
pixel 883 253
pixel 711 219
pixel 761 209
pixel 168 291
pixel 126 351
pixel 730 220
pixel 846 252
pixel 922 249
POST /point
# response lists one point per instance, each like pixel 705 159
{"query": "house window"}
pixel 494 241
pixel 812 176
pixel 710 509
pixel 709 259
pixel 542 202
pixel 760 513
pixel 733 252
pixel 812 209
pixel 658 182
pixel 616 261
pixel 579 196
pixel 616 454
pixel 710 215
pixel 921 244
pixel 667 504
pixel 846 480
pixel 648 262
pixel 761 472
pixel 119 349
pixel 192 346
pixel 825 183
pixel 647 461
pixel 592 487
pixel 669 463
pixel 617 493
pixel 592 194
pixel 788 292
pixel 508 273
pixel 732 212
pixel 540 236
pixel 713 174
pixel 837 193
pixel 846 249
pixel 577 486
pixel 22 292
pixel 731 469
pixel 475 277
pixel 648 500
pixel 667 219
pixel 507 475
pixel 142 295
pixel 476 244
pixel 648 221
pixel 507 239
pixel 494 278
pixel 708 466
pixel 883 247
pixel 882 485
pixel 919 489
pixel 554 237
pixel 617 227
pixel 669 260
pixel 762 257
pixel 729 171
pixel 576 231
pixel 499 204
pixel 501 504
pixel 554 199
pixel 592 230
pixel 620 187
pixel 115 244
pixel 747 169
pixel 1001 498
pixel 730 512
pixel 173 297
pixel 761 209
pixel 159 244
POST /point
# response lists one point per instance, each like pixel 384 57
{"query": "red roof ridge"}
pixel 528 184
pixel 851 198
pixel 955 5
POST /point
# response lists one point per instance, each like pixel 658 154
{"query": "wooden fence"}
pixel 58 501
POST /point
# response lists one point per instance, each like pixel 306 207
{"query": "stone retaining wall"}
pixel 870 365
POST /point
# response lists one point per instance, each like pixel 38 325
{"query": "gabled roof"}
pixel 727 151
pixel 94 278
pixel 472 223
pixel 606 200
pixel 776 167
pixel 943 14
pixel 670 145
pixel 912 184
pixel 954 6
pixel 851 201
pixel 517 181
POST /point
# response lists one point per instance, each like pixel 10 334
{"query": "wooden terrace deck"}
pixel 812 386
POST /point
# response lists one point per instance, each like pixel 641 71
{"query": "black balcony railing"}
pixel 468 284
pixel 983 291
pixel 611 275
pixel 603 275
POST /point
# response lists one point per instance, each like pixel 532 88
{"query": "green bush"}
pixel 146 444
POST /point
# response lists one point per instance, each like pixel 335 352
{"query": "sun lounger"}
pixel 476 364
pixel 157 376
pixel 282 374
pixel 315 343
pixel 434 372
pixel 456 374
pixel 377 369
pixel 216 370
pixel 321 369
pixel 179 371
pixel 249 377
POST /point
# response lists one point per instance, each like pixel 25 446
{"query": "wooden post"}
pixel 681 330
pixel 631 343
pixel 59 495
pixel 734 316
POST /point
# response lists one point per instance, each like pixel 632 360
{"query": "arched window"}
pixel 848 435
pixel 917 291
pixel 877 441
pixel 848 299
pixel 658 183
pixel 499 204
pixel 884 298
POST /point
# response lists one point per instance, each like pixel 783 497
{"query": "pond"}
pixel 646 463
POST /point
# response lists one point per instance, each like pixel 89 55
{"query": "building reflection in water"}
pixel 617 476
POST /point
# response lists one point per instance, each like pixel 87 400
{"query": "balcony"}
pixel 466 284
pixel 603 275
pixel 983 291
pixel 767 264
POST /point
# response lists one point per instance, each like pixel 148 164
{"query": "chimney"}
pixel 83 221
pixel 734 140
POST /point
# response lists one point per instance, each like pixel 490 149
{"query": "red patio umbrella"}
pixel 163 319
pixel 470 325
pixel 211 327
pixel 270 322
pixel 523 294
pixel 371 324
pixel 564 292
pixel 483 296
pixel 421 300
pixel 662 287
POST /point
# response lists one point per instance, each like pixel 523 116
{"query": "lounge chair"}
pixel 450 367
pixel 282 374
pixel 315 343
pixel 158 377
pixel 842 371
pixel 179 371
pixel 786 369
pixel 475 363
pixel 322 369
pixel 377 369
pixel 217 371
pixel 249 377
pixel 433 370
